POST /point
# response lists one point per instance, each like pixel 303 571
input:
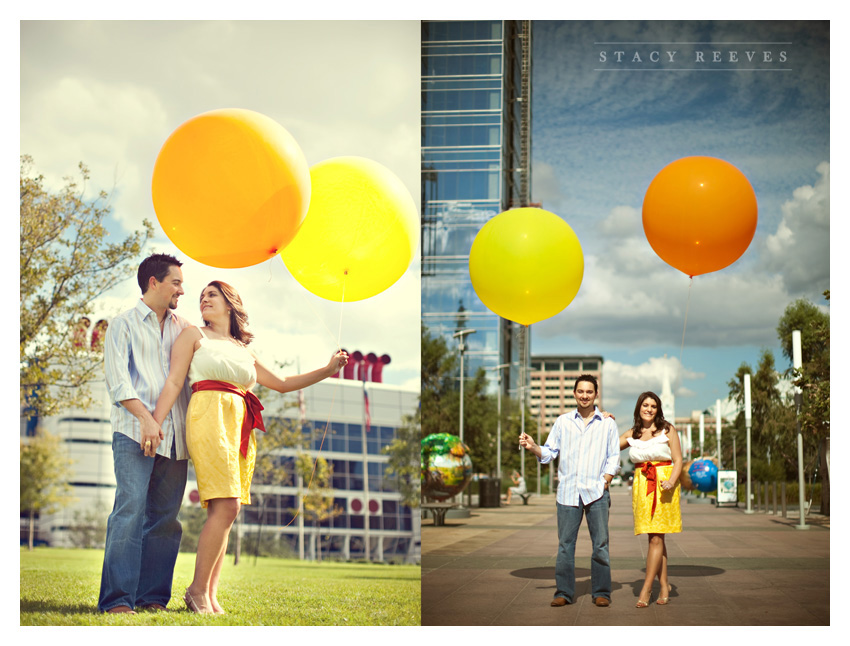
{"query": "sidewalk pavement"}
pixel 726 568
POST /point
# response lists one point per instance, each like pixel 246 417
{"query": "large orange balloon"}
pixel 700 214
pixel 231 188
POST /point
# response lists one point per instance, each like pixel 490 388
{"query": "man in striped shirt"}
pixel 143 533
pixel 588 444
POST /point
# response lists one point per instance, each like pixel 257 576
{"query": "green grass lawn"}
pixel 59 587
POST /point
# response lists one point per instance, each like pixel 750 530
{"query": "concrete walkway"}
pixel 727 568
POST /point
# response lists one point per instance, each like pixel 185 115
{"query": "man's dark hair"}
pixel 589 378
pixel 156 265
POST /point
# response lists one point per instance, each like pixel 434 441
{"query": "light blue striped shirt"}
pixel 587 453
pixel 136 358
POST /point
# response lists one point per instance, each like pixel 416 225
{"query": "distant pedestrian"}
pixel 518 488
pixel 586 441
pixel 657 456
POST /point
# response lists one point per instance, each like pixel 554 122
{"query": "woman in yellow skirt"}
pixel 220 422
pixel 657 455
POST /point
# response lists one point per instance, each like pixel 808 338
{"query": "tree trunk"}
pixel 824 470
pixel 31 528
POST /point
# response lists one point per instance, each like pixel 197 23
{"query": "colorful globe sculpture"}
pixel 704 475
pixel 446 466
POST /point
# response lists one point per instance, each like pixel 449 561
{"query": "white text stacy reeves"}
pixel 699 56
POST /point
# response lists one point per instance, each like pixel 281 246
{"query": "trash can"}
pixel 489 492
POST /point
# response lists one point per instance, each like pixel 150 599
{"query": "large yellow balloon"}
pixel 231 188
pixel 360 232
pixel 526 265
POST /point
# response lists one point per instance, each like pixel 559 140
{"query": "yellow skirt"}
pixel 668 515
pixel 213 436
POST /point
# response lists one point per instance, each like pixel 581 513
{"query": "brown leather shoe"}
pixel 557 602
pixel 153 607
pixel 122 609
pixel 602 602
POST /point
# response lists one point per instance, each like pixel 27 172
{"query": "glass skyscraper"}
pixel 476 148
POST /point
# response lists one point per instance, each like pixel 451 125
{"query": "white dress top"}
pixel 654 449
pixel 222 360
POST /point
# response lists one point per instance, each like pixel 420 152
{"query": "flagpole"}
pixel 366 511
pixel 302 410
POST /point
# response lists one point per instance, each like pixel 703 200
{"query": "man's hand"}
pixel 152 435
pixel 527 443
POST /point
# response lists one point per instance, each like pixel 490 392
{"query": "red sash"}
pixel 649 473
pixel 253 417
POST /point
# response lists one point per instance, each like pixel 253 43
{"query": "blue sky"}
pixel 602 129
pixel 109 93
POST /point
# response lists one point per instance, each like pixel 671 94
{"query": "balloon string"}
pixel 333 395
pixel 687 307
pixel 318 316
pixel 318 453
pixel 341 305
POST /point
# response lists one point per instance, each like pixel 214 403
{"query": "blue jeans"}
pixel 569 521
pixel 142 533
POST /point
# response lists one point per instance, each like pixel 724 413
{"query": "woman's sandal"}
pixel 642 604
pixel 190 602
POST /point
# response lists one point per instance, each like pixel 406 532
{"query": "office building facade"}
pixel 476 145
pixel 552 379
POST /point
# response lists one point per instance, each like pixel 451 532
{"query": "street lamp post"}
pixel 459 335
pixel 498 370
pixel 797 353
pixel 748 419
pixel 717 430
pixel 461 349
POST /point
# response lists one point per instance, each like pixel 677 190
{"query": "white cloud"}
pixel 799 249
pixel 631 297
pixel 622 381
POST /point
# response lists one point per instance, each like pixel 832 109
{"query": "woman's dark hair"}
pixel 238 315
pixel 156 265
pixel 660 423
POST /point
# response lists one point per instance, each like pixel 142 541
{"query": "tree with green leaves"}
pixel 404 460
pixel 439 394
pixel 281 433
pixel 318 500
pixel 65 264
pixel 45 471
pixel 773 437
pixel 88 529
pixel 440 408
pixel 813 378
